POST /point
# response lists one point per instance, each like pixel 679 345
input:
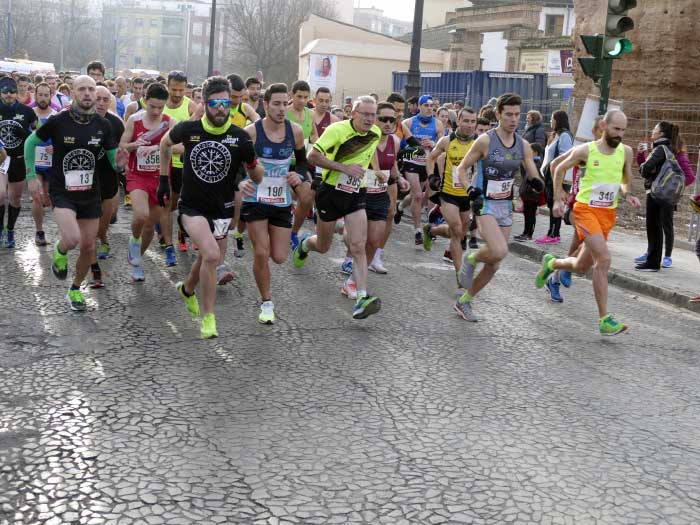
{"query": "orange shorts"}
pixel 590 221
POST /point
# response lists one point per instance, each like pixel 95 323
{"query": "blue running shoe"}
pixel 346 267
pixel 137 274
pixel 667 262
pixel 565 278
pixel 295 240
pixel 170 259
pixel 134 253
pixel 553 290
pixel 10 239
pixel 642 258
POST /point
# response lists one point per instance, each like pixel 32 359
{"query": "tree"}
pixel 263 35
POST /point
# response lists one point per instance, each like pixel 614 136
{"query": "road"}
pixel 124 415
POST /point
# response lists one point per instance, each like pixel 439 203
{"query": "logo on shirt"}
pixel 10 133
pixel 79 160
pixel 267 151
pixel 230 140
pixel 69 140
pixel 596 163
pixel 94 141
pixel 18 116
pixel 496 156
pixel 211 161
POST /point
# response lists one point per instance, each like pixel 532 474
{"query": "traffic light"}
pixel 617 24
pixel 592 66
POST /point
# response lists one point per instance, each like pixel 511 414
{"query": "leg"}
pixel 109 208
pixel 667 224
pixel 88 236
pixel 38 207
pixel 416 198
pixel 654 234
pixel 165 218
pixel 305 200
pixel 375 237
pixel 321 242
pixel 69 231
pixel 15 203
pixel 456 231
pixel 494 251
pixel 154 216
pixel 141 212
pixel 393 195
pixel 356 227
pixel 258 231
pixel 204 269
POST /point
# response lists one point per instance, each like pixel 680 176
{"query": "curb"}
pixel 617 278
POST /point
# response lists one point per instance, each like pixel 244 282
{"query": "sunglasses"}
pixel 4 91
pixel 387 120
pixel 219 103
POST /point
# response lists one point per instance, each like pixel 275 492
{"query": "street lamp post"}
pixel 212 39
pixel 412 88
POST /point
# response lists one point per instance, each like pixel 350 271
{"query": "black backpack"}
pixel 669 184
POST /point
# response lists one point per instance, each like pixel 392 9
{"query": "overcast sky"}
pixel 401 9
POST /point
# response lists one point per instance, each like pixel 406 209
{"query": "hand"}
pixel 633 201
pixel 163 192
pixel 122 158
pixel 49 150
pixel 355 171
pixel 642 147
pixel 381 177
pixel 427 143
pixel 247 188
pixel 141 141
pixel 293 179
pixel 403 184
pixel 558 208
pixel 198 112
pixel 34 186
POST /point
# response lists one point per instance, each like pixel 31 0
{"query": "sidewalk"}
pixel 673 285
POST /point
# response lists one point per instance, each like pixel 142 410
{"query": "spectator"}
pixel 531 199
pixel 695 204
pixel 560 143
pixel 443 116
pixel 534 131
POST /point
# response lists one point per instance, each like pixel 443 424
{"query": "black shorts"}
pixel 332 204
pixel 109 185
pixel 88 209
pixel 17 171
pixel 377 206
pixel 217 225
pixel 175 179
pixel 316 183
pixel 416 168
pixel 280 216
pixel 462 203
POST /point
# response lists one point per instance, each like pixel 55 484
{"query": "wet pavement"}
pixel 124 415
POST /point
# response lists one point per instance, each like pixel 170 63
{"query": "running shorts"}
pixel 332 204
pixel 461 202
pixel 90 209
pixel 148 184
pixel 501 210
pixel 377 206
pixel 279 216
pixel 589 221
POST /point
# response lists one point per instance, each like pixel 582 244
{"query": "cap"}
pixel 8 83
pixel 424 99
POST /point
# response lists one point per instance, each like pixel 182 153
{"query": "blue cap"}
pixel 8 82
pixel 425 99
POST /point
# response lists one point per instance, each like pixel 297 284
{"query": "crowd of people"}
pixel 228 156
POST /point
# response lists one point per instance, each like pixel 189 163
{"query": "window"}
pixel 139 22
pixel 554 25
pixel 197 29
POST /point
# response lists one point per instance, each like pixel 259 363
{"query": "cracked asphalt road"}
pixel 124 415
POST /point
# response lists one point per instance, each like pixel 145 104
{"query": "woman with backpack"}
pixel 667 143
pixel 560 143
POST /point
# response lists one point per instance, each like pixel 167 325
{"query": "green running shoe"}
pixel 76 300
pixel 299 255
pixel 608 326
pixel 366 306
pixel 103 251
pixel 545 271
pixel 190 302
pixel 427 238
pixel 208 329
pixel 59 266
pixel 267 313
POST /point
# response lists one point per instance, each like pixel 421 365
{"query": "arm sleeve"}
pixel 112 156
pixel 301 166
pixel 30 154
pixel 246 149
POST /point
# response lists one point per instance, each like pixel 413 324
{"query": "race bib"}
pixel 603 195
pixel 274 187
pixel 221 228
pixel 373 184
pixel 456 185
pixel 499 189
pixel 79 180
pixel 43 158
pixel 348 184
pixel 147 158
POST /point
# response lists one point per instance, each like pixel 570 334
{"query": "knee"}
pixel 71 240
pixel 279 258
pixel 87 248
pixel 261 253
pixel 457 232
pixel 323 246
pixel 603 262
pixel 498 254
pixel 210 255
pixel 357 247
pixel 139 217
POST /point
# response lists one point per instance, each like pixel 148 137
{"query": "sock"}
pixel 378 253
pixel 136 240
pixel 56 247
pixel 471 258
pixel 95 267
pixel 348 259
pixel 466 298
pixel 361 294
pixel 2 217
pixel 12 214
pixel 74 287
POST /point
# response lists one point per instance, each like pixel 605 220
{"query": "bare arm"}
pixel 166 152
pixel 250 113
pixel 130 110
pixel 250 130
pixel 477 152
pixel 125 142
pixel 627 179
pixel 577 155
pixel 440 147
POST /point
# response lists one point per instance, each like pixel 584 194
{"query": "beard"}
pixel 42 105
pixel 216 118
pixel 613 142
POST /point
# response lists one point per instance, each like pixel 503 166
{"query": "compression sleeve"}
pixel 301 166
pixel 30 154
pixel 413 142
pixel 112 156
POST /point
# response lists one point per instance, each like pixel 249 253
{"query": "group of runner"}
pixel 243 160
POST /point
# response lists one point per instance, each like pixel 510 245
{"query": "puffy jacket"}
pixel 651 166
pixel 535 133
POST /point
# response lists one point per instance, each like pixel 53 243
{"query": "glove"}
pixel 163 192
pixel 536 184
pixel 476 197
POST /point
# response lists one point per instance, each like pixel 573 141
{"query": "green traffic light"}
pixel 618 47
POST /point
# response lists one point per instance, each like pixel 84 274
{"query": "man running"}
pixel 141 139
pixel 214 151
pixel 78 136
pixel 16 123
pixel 267 210
pixel 254 87
pixel 500 154
pixel 608 174
pixel 344 152
pixel 134 101
pixel 43 111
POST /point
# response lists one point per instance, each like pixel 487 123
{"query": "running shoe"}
pixel 466 272
pixel 667 262
pixel 76 300
pixel 134 253
pixel 127 201
pixel 208 329
pixel 137 274
pixel 473 244
pixel 59 266
pixel 642 258
pixel 447 256
pixel 545 271
pixel 190 301
pixel 553 290
pixel 349 289
pixel 295 240
pixel 239 251
pixel 366 306
pixel 299 255
pixel 419 238
pixel 608 326
pixel 170 259
pixel 377 267
pixel 694 299
pixel 465 311
pixel 223 275
pixel 182 246
pixel 267 313
pixel 96 281
pixel 565 278
pixel 522 238
pixel 10 243
pixel 346 267
pixel 398 215
pixel 427 238
pixel 103 250
pixel 161 242
pixel 40 238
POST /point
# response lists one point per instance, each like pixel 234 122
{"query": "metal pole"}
pixel 605 87
pixel 9 28
pixel 212 31
pixel 412 88
pixel 116 40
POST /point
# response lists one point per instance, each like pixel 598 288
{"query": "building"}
pixel 435 11
pixel 373 19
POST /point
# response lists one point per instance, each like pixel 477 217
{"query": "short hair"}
pixel 488 113
pixel 413 100
pixel 395 97
pixel 177 76
pixel 536 115
pixel 481 121
pixel 196 89
pixel 460 103
pixel 215 85
pixel 63 87
pixel 160 78
pixel 252 80
pixel 236 82
pixel 42 84
pixel 274 89
pixel 301 85
pixel 364 99
pixel 96 64
pixel 467 109
pixel 38 78
pixel 138 80
pixel 157 91
pixel 508 99
pixel 611 114
pixel 385 105
pixel 537 148
pixel 23 78
pixel 323 89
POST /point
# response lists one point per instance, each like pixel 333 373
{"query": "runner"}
pixel 134 102
pixel 454 202
pixel 214 151
pixel 78 136
pixel 141 138
pixel 608 174
pixel 109 184
pixel 96 70
pixel 43 111
pixel 342 194
pixel 16 123
pixel 500 153
pixel 23 94
pixel 268 211
pixel 254 87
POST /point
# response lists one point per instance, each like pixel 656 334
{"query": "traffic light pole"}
pixel 604 85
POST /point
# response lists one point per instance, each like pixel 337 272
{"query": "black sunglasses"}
pixel 387 120
pixel 6 90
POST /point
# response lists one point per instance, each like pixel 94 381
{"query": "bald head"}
pixel 84 89
pixel 615 115
pixel 614 127
pixel 103 99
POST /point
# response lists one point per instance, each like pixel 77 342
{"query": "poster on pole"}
pixel 322 71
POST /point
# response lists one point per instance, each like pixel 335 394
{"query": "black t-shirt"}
pixel 76 148
pixel 211 162
pixel 260 109
pixel 104 167
pixel 15 126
